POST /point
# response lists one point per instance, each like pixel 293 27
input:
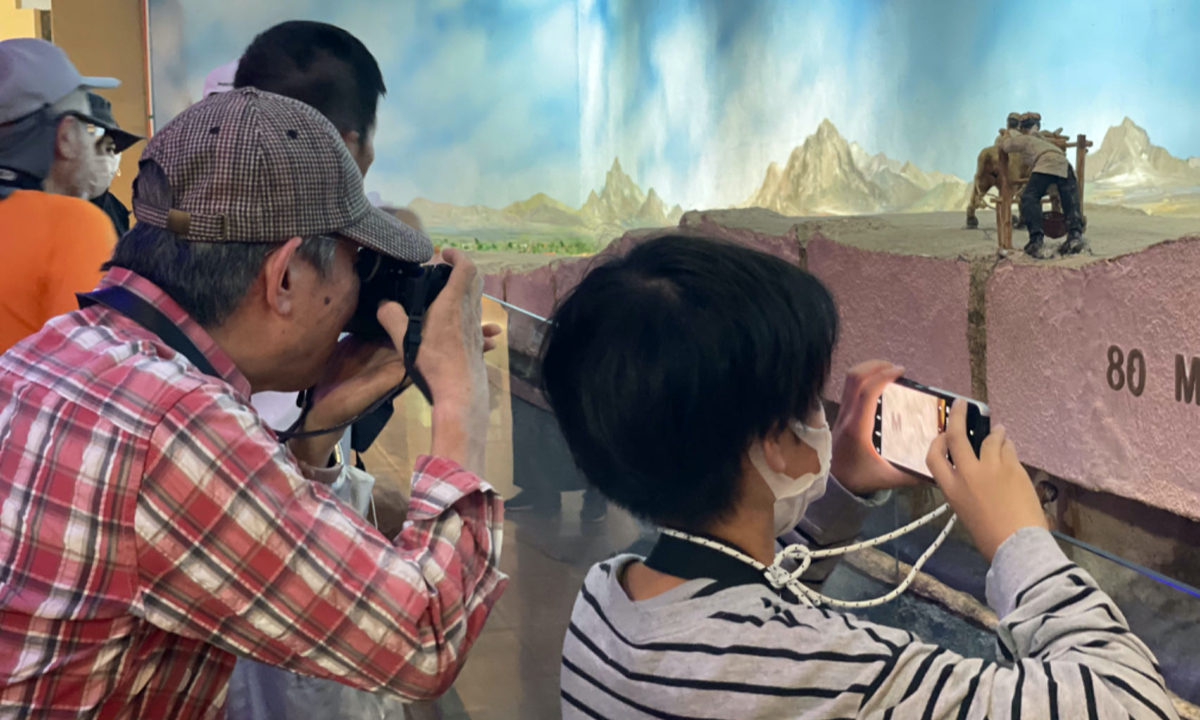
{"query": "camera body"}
pixel 383 278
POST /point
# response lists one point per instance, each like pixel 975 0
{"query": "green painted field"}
pixel 534 245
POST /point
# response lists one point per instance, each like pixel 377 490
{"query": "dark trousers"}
pixel 1068 194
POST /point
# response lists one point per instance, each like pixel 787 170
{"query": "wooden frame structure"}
pixel 1004 226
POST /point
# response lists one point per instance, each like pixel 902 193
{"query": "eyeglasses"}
pixel 90 124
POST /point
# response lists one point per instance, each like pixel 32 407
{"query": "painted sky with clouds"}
pixel 493 101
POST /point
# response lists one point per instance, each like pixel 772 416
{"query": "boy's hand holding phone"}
pixel 992 494
pixel 855 463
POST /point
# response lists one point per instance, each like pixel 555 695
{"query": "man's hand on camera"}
pixel 855 463
pixel 453 340
pixel 451 361
pixel 359 373
pixel 992 494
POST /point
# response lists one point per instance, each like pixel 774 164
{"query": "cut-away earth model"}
pixel 826 175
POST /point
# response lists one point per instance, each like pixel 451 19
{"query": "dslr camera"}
pixel 414 286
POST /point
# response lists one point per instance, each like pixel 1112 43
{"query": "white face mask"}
pixel 97 173
pixel 90 172
pixel 114 167
pixel 794 495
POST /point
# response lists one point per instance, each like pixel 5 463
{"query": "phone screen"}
pixel 911 421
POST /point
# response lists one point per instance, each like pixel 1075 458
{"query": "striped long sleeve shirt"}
pixel 744 653
pixel 152 528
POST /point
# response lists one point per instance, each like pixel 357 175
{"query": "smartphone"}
pixel 910 416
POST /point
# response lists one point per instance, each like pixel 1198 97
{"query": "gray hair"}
pixel 208 280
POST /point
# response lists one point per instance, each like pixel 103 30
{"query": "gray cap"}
pixel 252 166
pixel 34 73
pixel 101 113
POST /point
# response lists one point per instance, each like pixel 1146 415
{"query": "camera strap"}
pixel 412 339
pixel 143 313
pixel 366 426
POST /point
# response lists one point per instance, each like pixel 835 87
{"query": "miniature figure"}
pixel 1049 167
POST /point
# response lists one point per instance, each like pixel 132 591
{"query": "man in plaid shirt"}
pixel 152 528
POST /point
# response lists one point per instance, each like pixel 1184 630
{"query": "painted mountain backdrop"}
pixel 1130 170
pixel 823 176
pixel 826 175
pixel 619 206
pixel 829 176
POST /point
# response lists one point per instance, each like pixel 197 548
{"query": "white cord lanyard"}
pixel 340 459
pixel 779 578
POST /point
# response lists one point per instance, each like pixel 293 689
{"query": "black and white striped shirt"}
pixel 742 652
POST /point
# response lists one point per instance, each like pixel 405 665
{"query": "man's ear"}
pixel 65 145
pixel 277 277
pixel 353 140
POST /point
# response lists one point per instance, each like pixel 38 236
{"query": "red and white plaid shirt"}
pixel 151 527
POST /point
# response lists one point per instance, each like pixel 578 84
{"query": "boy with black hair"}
pixel 326 67
pixel 687 379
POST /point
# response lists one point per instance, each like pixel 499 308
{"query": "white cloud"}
pixel 239 17
pixel 594 144
pixel 554 50
pixel 394 129
pixel 681 57
pixel 386 27
pixel 454 73
pixel 486 98
pixel 730 119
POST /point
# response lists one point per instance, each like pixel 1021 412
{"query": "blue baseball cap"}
pixel 34 74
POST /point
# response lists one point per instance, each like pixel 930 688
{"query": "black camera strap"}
pixel 371 420
pixel 412 341
pixel 367 424
pixel 143 313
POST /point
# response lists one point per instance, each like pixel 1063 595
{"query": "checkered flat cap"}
pixel 252 166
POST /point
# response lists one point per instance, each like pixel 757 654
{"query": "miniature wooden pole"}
pixel 1080 157
pixel 1004 207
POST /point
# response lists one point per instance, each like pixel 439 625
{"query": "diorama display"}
pixel 891 149
pixel 555 126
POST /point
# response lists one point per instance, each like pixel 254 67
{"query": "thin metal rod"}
pixel 523 311
pixel 1156 576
